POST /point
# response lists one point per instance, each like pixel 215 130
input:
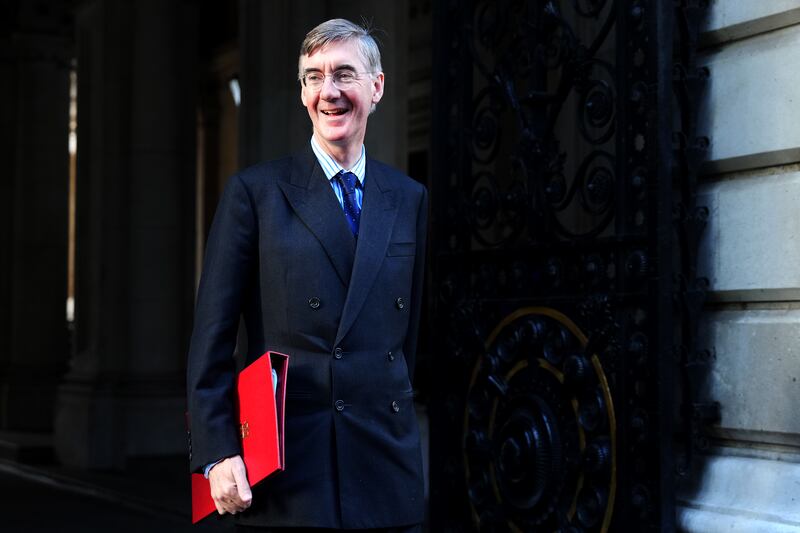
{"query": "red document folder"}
pixel 260 427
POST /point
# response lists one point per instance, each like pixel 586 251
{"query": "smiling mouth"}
pixel 334 112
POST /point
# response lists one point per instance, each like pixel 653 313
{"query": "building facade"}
pixel 666 105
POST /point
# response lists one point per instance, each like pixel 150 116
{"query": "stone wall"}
pixel 750 478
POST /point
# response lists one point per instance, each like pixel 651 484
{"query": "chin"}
pixel 333 136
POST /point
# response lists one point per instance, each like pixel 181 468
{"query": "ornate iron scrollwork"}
pixel 539 428
pixel 565 239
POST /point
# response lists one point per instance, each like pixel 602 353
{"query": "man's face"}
pixel 339 115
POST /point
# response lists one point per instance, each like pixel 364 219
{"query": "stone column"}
pixel 387 132
pixel 124 394
pixel 34 116
pixel 272 120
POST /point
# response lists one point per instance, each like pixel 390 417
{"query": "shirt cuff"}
pixel 209 467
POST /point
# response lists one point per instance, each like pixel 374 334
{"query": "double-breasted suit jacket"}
pixel 346 311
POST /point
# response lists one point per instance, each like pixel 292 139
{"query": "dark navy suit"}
pixel 346 311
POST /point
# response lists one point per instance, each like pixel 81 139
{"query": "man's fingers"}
pixel 223 503
pixel 219 507
pixel 228 499
pixel 244 493
pixel 229 487
pixel 227 505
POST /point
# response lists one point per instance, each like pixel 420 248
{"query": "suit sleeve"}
pixel 418 284
pixel 229 259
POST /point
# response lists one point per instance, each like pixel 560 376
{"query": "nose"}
pixel 328 91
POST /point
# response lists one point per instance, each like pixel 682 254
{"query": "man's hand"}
pixel 229 486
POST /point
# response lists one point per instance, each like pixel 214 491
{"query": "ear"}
pixel 377 87
pixel 300 65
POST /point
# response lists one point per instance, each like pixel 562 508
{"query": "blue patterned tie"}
pixel 348 180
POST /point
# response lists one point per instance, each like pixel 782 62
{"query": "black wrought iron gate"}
pixel 565 231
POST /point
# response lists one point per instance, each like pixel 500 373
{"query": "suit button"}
pixel 339 405
pixel 314 302
pixel 400 303
pixel 395 407
pixel 337 353
pixel 391 356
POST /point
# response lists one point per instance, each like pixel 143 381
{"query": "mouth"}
pixel 337 112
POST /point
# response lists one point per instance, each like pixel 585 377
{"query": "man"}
pixel 322 253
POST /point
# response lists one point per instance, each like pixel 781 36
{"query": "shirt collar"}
pixel 331 168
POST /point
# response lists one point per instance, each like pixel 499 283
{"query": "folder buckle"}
pixel 244 430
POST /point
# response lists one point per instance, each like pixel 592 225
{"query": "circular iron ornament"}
pixel 484 207
pixel 597 190
pixel 594 184
pixel 484 201
pixel 485 129
pixel 599 104
pixel 556 188
pixel 539 430
pixel 558 45
pixel 497 215
pixel 485 126
pixel 596 105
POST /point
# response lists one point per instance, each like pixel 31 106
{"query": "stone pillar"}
pixel 273 122
pixel 124 394
pixel 387 132
pixel 34 116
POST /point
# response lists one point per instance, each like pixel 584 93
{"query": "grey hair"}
pixel 338 30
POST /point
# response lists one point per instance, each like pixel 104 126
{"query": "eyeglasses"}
pixel 342 79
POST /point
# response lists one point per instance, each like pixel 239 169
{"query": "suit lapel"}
pixel 378 213
pixel 312 198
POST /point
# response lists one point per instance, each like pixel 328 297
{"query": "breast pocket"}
pixel 399 249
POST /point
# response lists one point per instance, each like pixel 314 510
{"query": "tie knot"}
pixel 348 181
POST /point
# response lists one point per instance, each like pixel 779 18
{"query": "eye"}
pixel 345 76
pixel 314 77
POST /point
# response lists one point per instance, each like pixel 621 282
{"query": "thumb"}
pixel 240 478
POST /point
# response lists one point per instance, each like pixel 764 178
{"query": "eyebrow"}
pixel 337 69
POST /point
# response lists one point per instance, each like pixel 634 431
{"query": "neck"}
pixel 346 154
